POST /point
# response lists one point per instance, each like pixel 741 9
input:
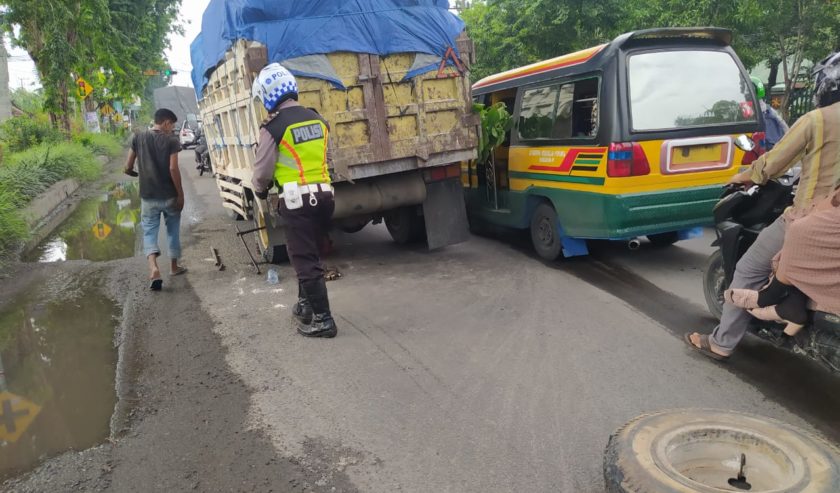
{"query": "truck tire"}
pixel 405 225
pixel 713 284
pixel 545 235
pixel 270 242
pixel 700 450
pixel 664 239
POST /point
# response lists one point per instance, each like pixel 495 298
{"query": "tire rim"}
pixel 545 232
pixel 263 239
pixel 708 457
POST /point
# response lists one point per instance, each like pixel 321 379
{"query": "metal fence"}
pixel 802 102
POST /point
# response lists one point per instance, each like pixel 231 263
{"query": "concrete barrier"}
pixel 49 210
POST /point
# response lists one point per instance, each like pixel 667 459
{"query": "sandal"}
pixel 705 347
pixel 181 270
pixel 156 284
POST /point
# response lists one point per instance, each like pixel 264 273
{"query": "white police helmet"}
pixel 274 85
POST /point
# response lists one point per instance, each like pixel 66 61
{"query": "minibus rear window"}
pixel 687 88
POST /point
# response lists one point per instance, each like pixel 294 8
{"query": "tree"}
pixel 789 32
pixel 511 33
pixel 108 41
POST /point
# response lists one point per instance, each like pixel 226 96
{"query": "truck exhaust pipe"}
pixel 634 244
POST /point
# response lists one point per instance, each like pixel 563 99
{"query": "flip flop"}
pixel 156 284
pixel 181 270
pixel 705 347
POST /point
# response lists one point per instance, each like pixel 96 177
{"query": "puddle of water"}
pixel 57 352
pixel 102 228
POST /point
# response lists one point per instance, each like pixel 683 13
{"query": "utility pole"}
pixel 5 93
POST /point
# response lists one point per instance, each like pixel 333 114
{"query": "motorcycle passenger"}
pixel 808 267
pixel 815 141
pixel 292 154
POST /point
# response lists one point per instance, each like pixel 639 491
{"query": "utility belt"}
pixel 292 193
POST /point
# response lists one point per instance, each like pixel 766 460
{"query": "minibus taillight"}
pixel 627 159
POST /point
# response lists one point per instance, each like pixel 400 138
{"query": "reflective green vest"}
pixel 302 154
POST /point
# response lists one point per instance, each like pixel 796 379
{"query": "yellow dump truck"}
pixel 396 138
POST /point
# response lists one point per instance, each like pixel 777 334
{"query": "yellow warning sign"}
pixel 107 109
pixel 83 89
pixel 16 415
pixel 101 230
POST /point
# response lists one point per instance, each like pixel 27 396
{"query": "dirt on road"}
pixel 182 421
pixel 474 368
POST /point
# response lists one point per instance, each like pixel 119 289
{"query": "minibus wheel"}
pixel 545 233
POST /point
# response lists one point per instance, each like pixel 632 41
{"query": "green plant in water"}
pixel 496 121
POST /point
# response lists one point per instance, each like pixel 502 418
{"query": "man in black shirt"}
pixel 155 152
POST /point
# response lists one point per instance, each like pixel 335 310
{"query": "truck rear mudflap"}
pixel 445 214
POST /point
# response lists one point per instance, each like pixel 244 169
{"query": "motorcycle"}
pixel 202 155
pixel 740 216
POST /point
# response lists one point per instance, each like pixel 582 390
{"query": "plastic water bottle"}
pixel 273 277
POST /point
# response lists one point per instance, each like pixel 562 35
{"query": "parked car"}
pixel 188 134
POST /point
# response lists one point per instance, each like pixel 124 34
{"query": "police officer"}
pixel 292 154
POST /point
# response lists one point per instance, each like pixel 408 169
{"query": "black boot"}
pixel 323 324
pixel 302 309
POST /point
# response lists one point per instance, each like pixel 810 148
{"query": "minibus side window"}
pixel 560 111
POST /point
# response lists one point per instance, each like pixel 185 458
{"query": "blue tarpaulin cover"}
pixel 292 29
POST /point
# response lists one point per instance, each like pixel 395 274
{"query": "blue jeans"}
pixel 150 211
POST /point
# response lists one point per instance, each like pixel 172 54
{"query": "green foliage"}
pixel 108 42
pixel 101 144
pixel 513 33
pixel 13 229
pixel 22 132
pixel 495 122
pixel 26 174
pixel 30 102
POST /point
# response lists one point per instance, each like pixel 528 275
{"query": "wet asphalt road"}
pixel 479 367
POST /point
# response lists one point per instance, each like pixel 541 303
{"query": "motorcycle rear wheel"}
pixel 714 279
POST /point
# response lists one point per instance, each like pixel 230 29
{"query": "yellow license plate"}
pixel 697 154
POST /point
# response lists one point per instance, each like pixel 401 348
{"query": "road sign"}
pixel 101 230
pixel 107 109
pixel 83 88
pixel 16 415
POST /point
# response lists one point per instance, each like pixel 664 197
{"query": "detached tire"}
pixel 270 242
pixel 545 234
pixel 405 225
pixel 699 450
pixel 713 284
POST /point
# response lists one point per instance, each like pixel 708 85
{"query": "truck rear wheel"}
pixel 270 242
pixel 406 225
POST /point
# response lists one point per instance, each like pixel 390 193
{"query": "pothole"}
pixel 57 367
pixel 102 228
